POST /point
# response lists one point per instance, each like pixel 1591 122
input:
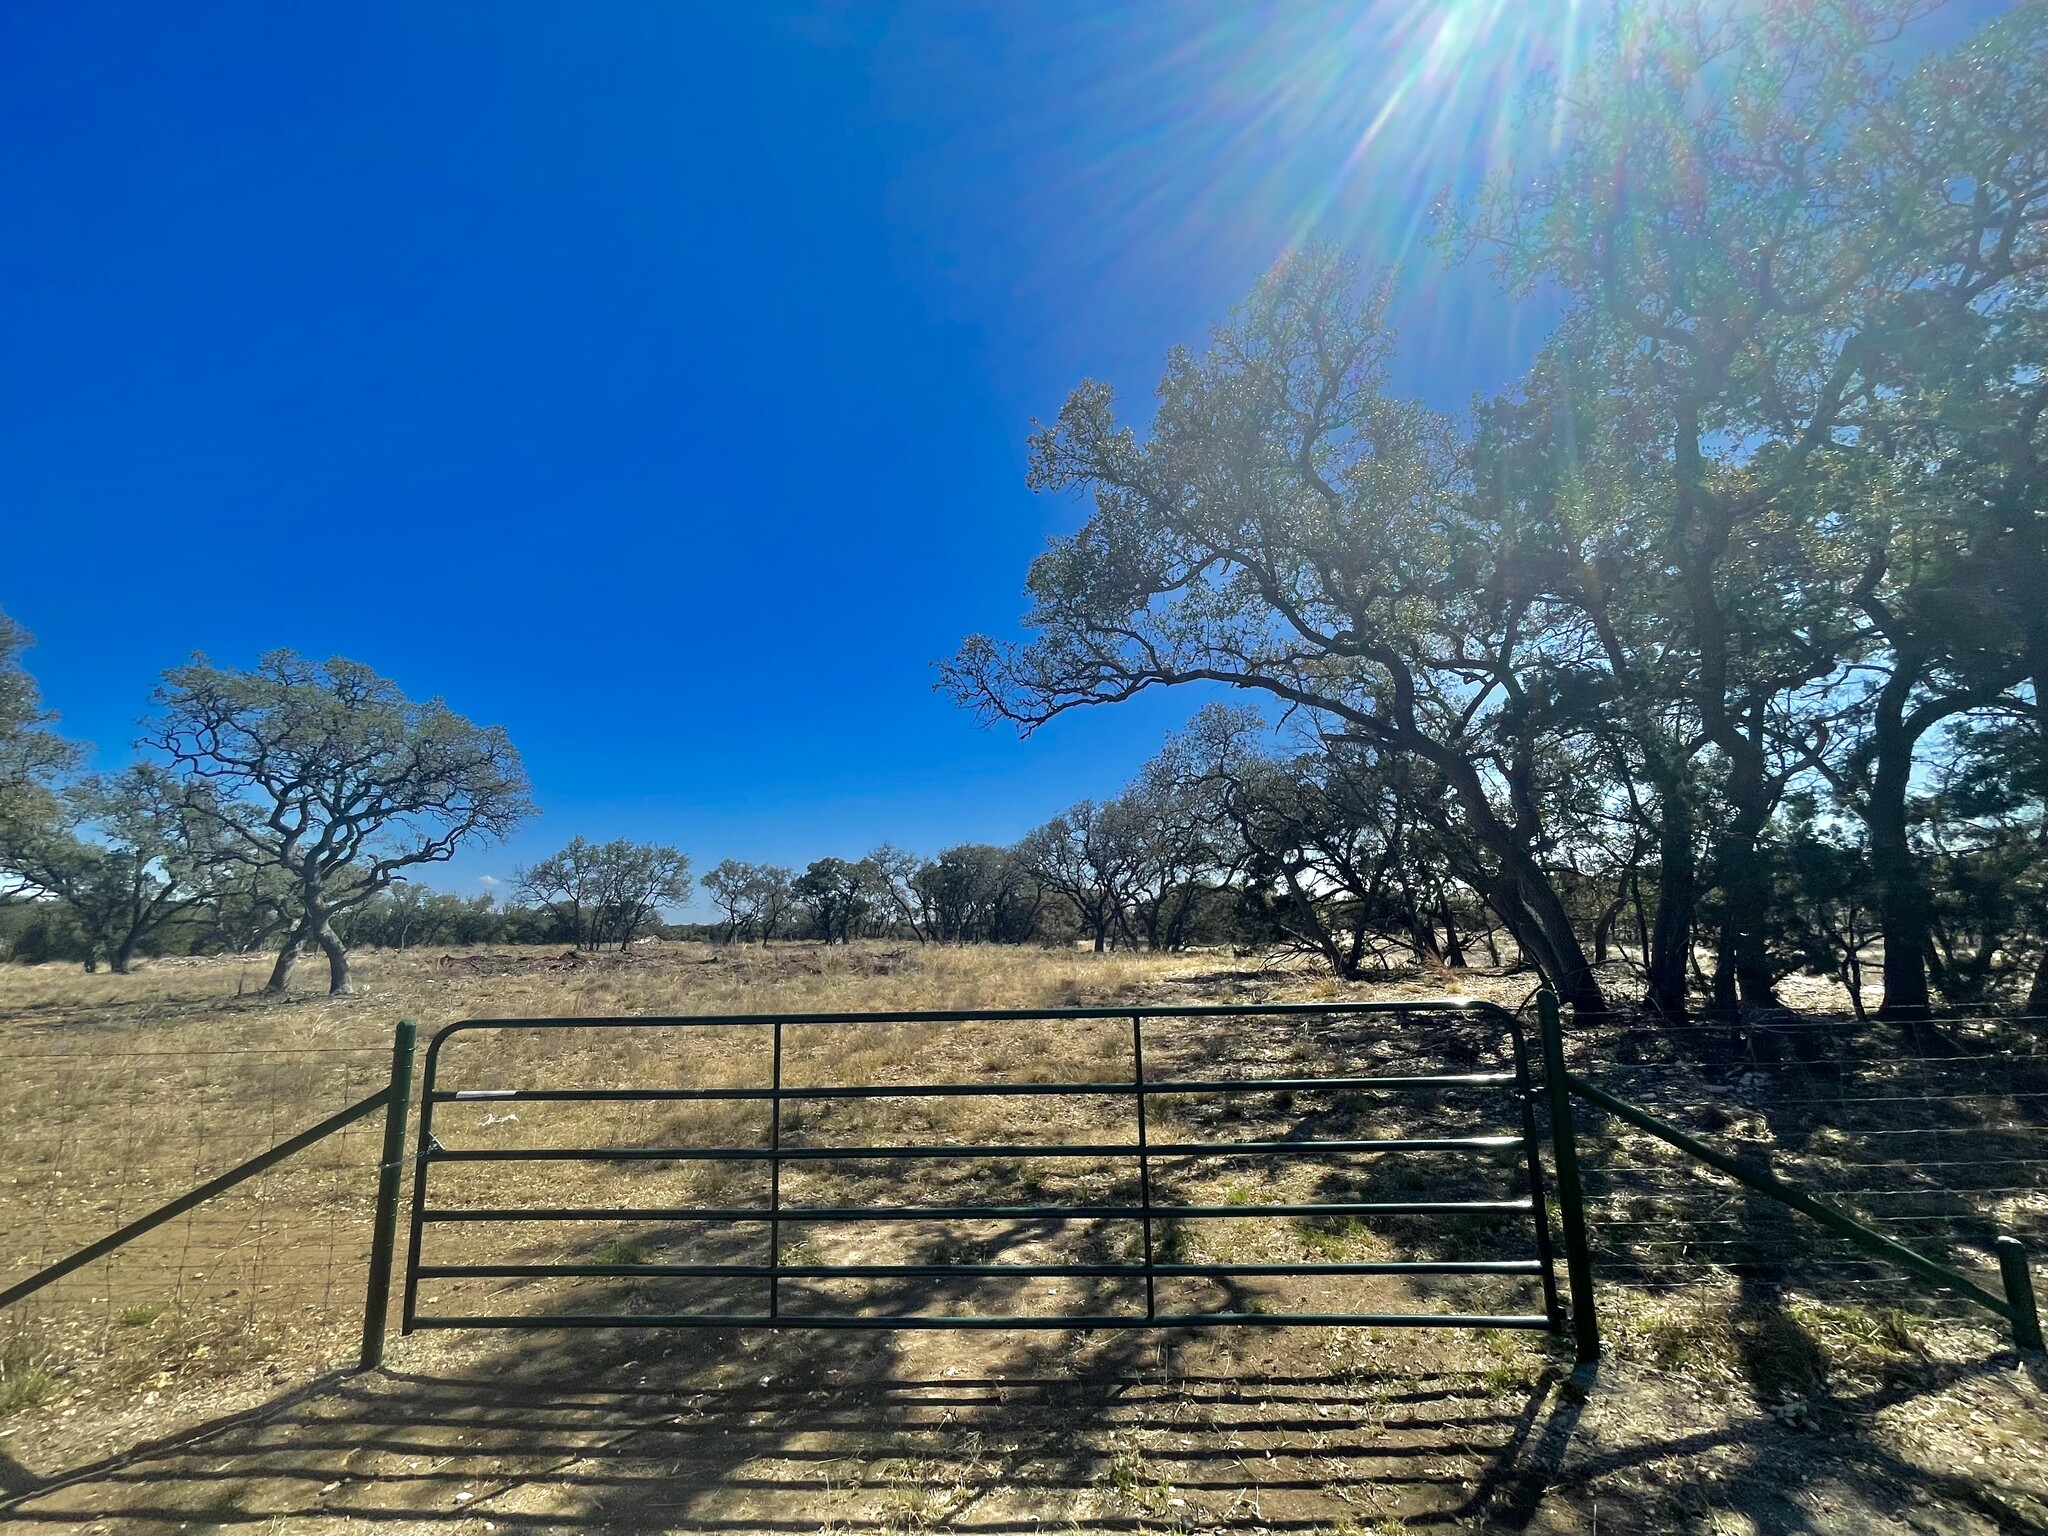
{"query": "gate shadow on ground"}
pixel 1297 1429
pixel 803 1432
pixel 857 1432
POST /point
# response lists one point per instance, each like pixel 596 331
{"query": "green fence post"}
pixel 384 1231
pixel 1571 1193
pixel 2019 1291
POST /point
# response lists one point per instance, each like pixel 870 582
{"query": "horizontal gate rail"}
pixel 962 1212
pixel 1065 1320
pixel 1472 1007
pixel 1019 1149
pixel 882 1271
pixel 1141 1152
pixel 971 1090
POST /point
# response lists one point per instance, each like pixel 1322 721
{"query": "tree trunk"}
pixel 1536 920
pixel 339 982
pixel 1309 923
pixel 1554 945
pixel 1706 524
pixel 1726 1000
pixel 1421 937
pixel 281 973
pixel 1905 914
pixel 1670 938
pixel 1745 879
pixel 1603 927
pixel 2037 995
pixel 1852 971
pixel 1454 951
pixel 1544 929
pixel 1903 918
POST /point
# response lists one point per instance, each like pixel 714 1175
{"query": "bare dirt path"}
pixel 1339 1432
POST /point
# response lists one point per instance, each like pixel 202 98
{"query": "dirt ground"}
pixel 195 1386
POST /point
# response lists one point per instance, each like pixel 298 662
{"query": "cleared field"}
pixel 1724 1403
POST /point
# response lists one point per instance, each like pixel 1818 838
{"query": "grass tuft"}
pixel 24 1380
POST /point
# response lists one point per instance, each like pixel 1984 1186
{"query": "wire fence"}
pixel 1935 1133
pixel 261 1284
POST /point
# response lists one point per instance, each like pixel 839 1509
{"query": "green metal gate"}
pixel 776 1276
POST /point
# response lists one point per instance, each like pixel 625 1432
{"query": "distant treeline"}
pixel 1216 842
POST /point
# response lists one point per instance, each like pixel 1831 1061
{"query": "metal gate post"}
pixel 775 1180
pixel 2019 1291
pixel 1571 1193
pixel 424 1147
pixel 384 1227
pixel 1532 1158
pixel 1144 1161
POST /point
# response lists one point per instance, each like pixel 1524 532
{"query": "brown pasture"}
pixel 197 1380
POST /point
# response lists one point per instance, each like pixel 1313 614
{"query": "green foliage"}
pixel 607 893
pixel 1675 634
pixel 24 1380
pixel 976 892
pixel 837 895
pixel 410 915
pixel 124 854
pixel 328 775
pixel 755 898
pixel 32 757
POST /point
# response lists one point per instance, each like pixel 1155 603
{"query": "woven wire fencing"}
pixel 1935 1134
pixel 259 1285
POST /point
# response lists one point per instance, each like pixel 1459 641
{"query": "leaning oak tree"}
pixel 329 775
pixel 1290 527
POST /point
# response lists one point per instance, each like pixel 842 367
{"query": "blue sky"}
pixel 653 380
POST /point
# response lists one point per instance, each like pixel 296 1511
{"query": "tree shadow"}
pixel 870 1432
pixel 773 1432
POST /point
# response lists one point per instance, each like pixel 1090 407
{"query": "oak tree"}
pixel 330 776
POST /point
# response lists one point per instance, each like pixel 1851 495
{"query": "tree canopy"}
pixel 329 775
pixel 1755 528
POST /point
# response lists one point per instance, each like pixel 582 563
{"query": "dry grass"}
pixel 1717 1409
pixel 124 1091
